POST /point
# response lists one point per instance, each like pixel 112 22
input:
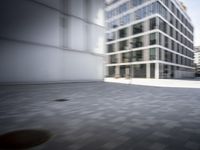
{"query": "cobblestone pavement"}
pixel 104 116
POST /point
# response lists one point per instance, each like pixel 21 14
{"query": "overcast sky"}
pixel 193 7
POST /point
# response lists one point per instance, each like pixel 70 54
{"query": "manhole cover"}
pixel 61 100
pixel 22 139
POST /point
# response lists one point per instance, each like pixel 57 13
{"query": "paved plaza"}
pixel 104 116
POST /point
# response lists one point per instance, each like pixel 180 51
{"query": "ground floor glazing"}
pixel 149 70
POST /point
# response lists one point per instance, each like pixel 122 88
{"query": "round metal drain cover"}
pixel 61 100
pixel 22 139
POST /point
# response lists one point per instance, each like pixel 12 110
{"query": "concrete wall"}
pixel 51 40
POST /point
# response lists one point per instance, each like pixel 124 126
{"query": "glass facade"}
pixel 123 33
pixel 152 39
pixel 152 54
pixel 137 28
pixel 158 32
pixel 137 42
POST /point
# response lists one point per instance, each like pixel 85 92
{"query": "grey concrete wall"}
pixel 51 40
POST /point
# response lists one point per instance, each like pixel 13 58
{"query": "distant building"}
pixel 197 60
pixel 149 39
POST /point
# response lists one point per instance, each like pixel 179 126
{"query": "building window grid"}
pixel 175 12
pixel 180 38
pixel 126 19
pixel 163 28
pixel 179 47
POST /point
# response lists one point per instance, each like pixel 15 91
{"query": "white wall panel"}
pixel 40 44
pixel 76 8
pixel 30 63
pixel 76 33
pixel 96 12
pixel 96 39
pixel 29 21
pixel 51 3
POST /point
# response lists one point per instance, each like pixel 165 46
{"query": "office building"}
pixel 149 39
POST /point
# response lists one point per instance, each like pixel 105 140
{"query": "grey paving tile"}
pixel 104 116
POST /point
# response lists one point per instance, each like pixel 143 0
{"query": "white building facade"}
pixel 149 39
pixel 51 41
pixel 197 60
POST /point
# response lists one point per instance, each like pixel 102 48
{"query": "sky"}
pixel 193 10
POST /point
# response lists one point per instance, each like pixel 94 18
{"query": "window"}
pixel 165 27
pixel 137 42
pixel 126 57
pixel 111 36
pixel 168 56
pixel 122 71
pixel 166 3
pixel 166 42
pixel 176 58
pixel 138 28
pixel 178 14
pixel 123 33
pixel 139 71
pixel 171 19
pixel 125 20
pixel 144 12
pixel 152 70
pixel 177 34
pixel 176 23
pixel 171 31
pixel 114 24
pixel 123 7
pixel 152 23
pixel 110 48
pixel 153 8
pixel 160 53
pixel 152 54
pixel 160 39
pixel 172 45
pixel 113 59
pixel 152 39
pixel 123 45
pixel 137 56
pixel 178 48
pixel 138 14
pixel 111 71
pixel 136 2
pixel 162 26
pixel 173 7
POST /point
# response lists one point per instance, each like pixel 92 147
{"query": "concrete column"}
pixel 146 37
pixel 130 30
pixel 127 72
pixel 108 59
pixel 148 71
pixel 163 54
pixel 145 54
pixel 156 70
pixel 146 26
pixel 116 46
pixel 132 71
pixel 117 71
pixel 119 58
